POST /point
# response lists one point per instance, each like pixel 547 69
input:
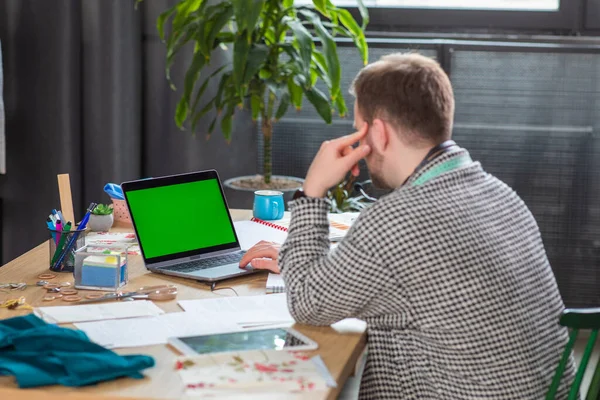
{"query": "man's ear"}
pixel 380 135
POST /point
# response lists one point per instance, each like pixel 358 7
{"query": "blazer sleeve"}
pixel 326 286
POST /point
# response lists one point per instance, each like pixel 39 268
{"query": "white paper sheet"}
pixel 97 312
pixel 244 310
pixel 249 233
pixel 346 218
pixel 153 330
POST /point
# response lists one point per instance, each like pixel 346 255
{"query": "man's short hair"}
pixel 409 91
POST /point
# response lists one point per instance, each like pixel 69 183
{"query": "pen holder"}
pixel 61 258
pixel 101 267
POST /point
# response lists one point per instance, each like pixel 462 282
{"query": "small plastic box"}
pixel 101 267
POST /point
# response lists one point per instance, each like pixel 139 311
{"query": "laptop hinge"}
pixel 162 264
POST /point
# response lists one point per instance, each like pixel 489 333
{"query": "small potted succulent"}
pixel 101 219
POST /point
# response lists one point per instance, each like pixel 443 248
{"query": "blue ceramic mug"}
pixel 268 205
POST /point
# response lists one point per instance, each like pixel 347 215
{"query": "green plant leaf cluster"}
pixel 275 62
pixel 341 199
pixel 103 209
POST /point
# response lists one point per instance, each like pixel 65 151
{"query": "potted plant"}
pixel 341 199
pixel 274 64
pixel 101 219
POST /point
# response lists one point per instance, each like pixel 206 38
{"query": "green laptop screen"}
pixel 182 217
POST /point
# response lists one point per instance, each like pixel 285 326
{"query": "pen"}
pixel 59 229
pixel 52 228
pixel 60 215
pixel 53 219
pixel 61 242
pixel 73 240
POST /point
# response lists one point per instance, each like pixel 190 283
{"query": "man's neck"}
pixel 408 161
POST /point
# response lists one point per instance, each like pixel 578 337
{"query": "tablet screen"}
pixel 267 339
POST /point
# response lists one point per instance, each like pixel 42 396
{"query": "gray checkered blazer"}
pixel 452 279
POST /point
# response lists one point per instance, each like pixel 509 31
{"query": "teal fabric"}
pixel 39 354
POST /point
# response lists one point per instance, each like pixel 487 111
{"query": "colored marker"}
pixel 51 227
pixel 60 216
pixel 61 243
pixel 59 229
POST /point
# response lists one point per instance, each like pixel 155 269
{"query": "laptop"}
pixel 183 226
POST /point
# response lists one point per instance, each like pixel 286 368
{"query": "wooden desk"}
pixel 340 351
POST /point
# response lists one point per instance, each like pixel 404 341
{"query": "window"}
pixel 490 16
pixel 517 5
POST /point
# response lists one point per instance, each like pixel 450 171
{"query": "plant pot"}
pixel 100 223
pixel 243 197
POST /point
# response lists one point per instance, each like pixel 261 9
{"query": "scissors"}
pixel 156 293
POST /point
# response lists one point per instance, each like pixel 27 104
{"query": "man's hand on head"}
pixel 262 255
pixel 333 161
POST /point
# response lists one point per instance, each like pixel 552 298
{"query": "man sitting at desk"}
pixel 448 270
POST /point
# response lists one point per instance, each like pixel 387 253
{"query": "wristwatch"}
pixel 298 194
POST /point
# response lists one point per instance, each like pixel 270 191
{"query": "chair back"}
pixel 576 320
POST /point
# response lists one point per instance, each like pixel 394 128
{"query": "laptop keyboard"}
pixel 212 262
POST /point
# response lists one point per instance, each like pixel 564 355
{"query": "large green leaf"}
pixel 357 34
pixel 218 21
pixel 295 62
pixel 305 41
pixel 226 122
pixel 253 13
pixel 240 10
pixel 211 127
pixel 181 112
pixel 204 86
pixel 329 50
pixel 295 91
pixel 256 58
pixel 184 20
pixel 348 21
pixel 284 104
pixel 200 39
pixel 321 103
pixel 191 77
pixel 224 37
pixel 240 56
pixel 363 47
pixel 320 5
pixel 319 61
pixel 207 107
pixel 162 19
pixel 174 44
pixel 314 76
pixel 220 91
pixel 184 9
pixel 364 13
pixel 340 103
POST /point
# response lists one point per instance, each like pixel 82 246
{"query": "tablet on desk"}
pixel 260 339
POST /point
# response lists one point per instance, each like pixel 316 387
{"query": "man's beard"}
pixel 375 172
pixel 378 182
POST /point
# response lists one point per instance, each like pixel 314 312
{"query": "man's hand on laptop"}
pixel 262 255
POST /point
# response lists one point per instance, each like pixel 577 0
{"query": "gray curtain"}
pixel 2 140
pixel 85 94
pixel 72 106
